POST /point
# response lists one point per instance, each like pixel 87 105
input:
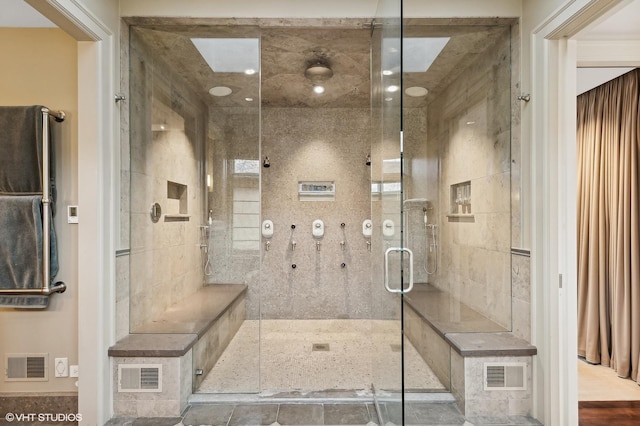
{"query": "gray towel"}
pixel 21 150
pixel 21 248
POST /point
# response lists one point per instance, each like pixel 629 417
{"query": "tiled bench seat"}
pixel 456 341
pixel 188 337
pixel 466 330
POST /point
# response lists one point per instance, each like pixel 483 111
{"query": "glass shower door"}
pixel 391 265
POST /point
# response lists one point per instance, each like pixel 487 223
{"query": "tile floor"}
pixel 361 353
pixel 437 413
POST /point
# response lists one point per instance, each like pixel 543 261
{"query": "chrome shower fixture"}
pixel 368 160
pixel 266 164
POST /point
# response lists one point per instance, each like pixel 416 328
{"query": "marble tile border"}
pixel 66 403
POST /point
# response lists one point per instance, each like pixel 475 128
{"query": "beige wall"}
pixel 39 67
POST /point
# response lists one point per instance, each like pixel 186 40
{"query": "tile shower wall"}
pixel 320 144
pixel 471 123
pixel 420 187
pixel 234 200
pixel 166 132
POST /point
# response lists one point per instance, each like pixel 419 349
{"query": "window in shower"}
pixel 246 205
pixel 246 219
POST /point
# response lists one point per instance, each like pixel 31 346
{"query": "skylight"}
pixel 418 53
pixel 230 54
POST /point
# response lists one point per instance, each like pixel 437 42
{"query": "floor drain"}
pixel 320 347
pixel 396 348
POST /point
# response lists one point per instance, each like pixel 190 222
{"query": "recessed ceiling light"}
pixel 387 72
pixel 388 99
pixel 250 71
pixel 220 91
pixel 392 88
pixel 248 99
pixel 416 91
pixel 318 89
pixel 470 123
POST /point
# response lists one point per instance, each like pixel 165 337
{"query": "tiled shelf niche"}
pixel 460 202
pixel 178 209
pixel 316 191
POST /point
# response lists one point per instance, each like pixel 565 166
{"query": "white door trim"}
pixel 553 212
pixel 97 182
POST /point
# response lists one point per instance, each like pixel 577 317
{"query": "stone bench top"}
pixel 177 329
pixel 469 332
pixel 490 344
pixel 153 345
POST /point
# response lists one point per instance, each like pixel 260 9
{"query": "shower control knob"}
pixel 343 265
pixel 294 266
pixel 342 225
pixel 293 227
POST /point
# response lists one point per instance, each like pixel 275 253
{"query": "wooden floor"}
pixel 610 413
pixel 606 399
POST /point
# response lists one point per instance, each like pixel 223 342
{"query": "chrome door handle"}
pixel 386 270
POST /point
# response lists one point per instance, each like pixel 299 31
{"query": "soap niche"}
pixel 177 202
pixel 460 200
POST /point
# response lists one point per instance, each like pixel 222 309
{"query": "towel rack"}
pixel 47 288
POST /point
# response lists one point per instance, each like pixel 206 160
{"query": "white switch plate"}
pixel 61 367
pixel 72 214
pixel 73 371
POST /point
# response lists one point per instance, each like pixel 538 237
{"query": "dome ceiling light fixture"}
pixel 318 72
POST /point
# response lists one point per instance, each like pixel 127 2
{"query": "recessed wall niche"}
pixel 460 200
pixel 316 191
pixel 177 202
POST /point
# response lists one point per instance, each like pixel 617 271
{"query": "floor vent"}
pixel 26 367
pixel 320 347
pixel 139 378
pixel 505 376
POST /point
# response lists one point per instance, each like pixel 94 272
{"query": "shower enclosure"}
pixel 404 158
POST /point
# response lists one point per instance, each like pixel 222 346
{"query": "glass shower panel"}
pixel 233 173
pixel 195 166
pixel 388 261
pixel 458 139
pixel 167 129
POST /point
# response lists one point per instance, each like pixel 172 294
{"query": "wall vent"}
pixel 140 378
pixel 26 368
pixel 505 376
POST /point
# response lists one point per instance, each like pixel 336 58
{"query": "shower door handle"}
pixel 386 270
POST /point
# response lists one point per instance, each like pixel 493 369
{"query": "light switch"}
pixel 72 214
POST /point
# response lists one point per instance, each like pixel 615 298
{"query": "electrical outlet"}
pixel 73 371
pixel 61 367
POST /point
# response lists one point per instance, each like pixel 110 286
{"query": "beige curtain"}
pixel 609 225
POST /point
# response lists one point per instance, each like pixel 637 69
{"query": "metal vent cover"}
pixel 505 376
pixel 26 367
pixel 320 347
pixel 139 378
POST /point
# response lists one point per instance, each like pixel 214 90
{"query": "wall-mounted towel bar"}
pixel 47 288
